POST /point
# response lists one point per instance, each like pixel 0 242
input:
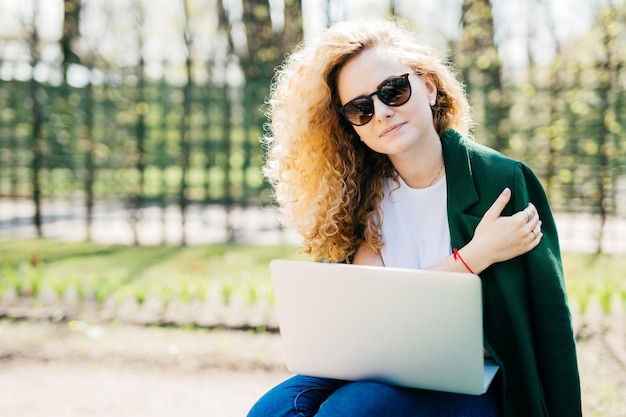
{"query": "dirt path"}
pixel 35 389
pixel 73 369
pixel 78 370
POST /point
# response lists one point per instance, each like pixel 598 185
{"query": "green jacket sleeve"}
pixel 550 314
pixel 527 324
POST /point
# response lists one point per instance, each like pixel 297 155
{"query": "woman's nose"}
pixel 381 110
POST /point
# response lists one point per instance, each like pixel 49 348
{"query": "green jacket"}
pixel 527 322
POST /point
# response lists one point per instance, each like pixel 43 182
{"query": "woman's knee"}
pixel 298 396
pixel 369 398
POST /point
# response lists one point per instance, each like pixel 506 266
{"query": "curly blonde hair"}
pixel 325 179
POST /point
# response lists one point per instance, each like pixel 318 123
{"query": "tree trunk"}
pixel 481 67
pixel 71 33
pixel 140 129
pixel 90 165
pixel 608 80
pixel 162 157
pixel 38 144
pixel 185 140
pixel 225 26
pixel 553 104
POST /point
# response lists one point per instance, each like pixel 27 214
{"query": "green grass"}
pixel 599 277
pixel 219 271
pixel 96 270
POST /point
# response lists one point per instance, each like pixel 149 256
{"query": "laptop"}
pixel 405 327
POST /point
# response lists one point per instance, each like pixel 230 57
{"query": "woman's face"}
pixel 393 130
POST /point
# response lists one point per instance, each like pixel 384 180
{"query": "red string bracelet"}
pixel 456 254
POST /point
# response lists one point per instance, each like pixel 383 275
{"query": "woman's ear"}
pixel 431 89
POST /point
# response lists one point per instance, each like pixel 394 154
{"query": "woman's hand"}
pixel 499 238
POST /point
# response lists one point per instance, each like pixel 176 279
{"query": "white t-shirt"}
pixel 415 225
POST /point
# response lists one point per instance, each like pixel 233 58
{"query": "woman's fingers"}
pixel 530 231
pixel 537 233
pixel 534 232
pixel 528 214
pixel 496 208
pixel 505 237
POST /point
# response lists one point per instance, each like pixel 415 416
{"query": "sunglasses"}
pixel 394 92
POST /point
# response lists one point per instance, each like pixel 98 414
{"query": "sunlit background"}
pixel 139 121
pixel 131 191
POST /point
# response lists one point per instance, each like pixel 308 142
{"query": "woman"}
pixel 368 154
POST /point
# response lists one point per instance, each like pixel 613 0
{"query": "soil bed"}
pixel 76 369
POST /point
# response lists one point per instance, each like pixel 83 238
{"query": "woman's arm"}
pixel 496 238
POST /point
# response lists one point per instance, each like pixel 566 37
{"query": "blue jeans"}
pixel 305 396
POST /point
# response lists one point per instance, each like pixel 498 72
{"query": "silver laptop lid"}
pixel 414 328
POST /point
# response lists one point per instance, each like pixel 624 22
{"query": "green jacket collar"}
pixel 462 193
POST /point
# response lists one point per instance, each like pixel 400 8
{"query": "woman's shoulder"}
pixel 479 155
pixel 485 169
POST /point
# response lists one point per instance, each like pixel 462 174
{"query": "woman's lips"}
pixel 391 129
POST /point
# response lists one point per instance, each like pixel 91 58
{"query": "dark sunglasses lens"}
pixel 359 111
pixel 395 92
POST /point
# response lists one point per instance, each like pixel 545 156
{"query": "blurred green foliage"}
pixel 143 132
pixel 99 271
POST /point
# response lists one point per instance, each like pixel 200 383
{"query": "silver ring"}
pixel 529 214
